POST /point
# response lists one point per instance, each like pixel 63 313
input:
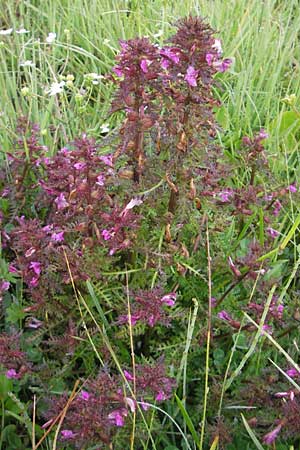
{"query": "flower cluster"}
pixel 13 361
pixel 148 307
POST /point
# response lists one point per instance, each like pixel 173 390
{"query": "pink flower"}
pixel 161 396
pixel 117 417
pixel 213 302
pixel 130 403
pixel 12 269
pixel 145 63
pixel 128 375
pixel 107 234
pixel 277 208
pixel 67 434
pixel 209 58
pixel 263 134
pixel 267 329
pixel 100 180
pixel 223 65
pixel 36 267
pixel 169 299
pixel 80 165
pixel 144 405
pixel 107 159
pixel 118 71
pixel 4 285
pixel 217 46
pixel 11 374
pixel 30 252
pixel 84 395
pixel 57 237
pixel 191 76
pixel 225 195
pixel 292 188
pixel 34 323
pixel 170 53
pixel 34 282
pixel 133 202
pixel 292 372
pixel 269 438
pixel 61 201
pixel 224 316
pixel 273 233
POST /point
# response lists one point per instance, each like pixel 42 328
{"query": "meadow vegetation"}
pixel 149 211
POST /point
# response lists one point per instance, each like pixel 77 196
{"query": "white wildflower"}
pixel 22 31
pixel 93 77
pixel 27 63
pixel 6 32
pixel 104 128
pixel 51 38
pixel 56 88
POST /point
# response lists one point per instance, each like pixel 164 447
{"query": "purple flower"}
pixel 223 65
pixel 11 374
pixel 169 299
pixel 282 394
pixel 117 417
pixel 36 267
pixel 48 228
pixel 57 237
pixel 269 438
pixel 292 188
pixel 145 63
pixel 34 323
pixel 161 396
pixel 133 202
pixel 144 405
pixel 84 395
pixel 213 302
pixel 263 134
pixel 169 54
pixel 151 320
pixel 107 234
pixel 80 166
pixel 226 195
pixel 61 201
pixel 191 76
pixel 30 252
pixel 224 316
pixel 267 329
pixel 217 46
pixel 100 180
pixel 67 434
pixel 277 208
pixel 4 285
pixel 273 233
pixel 209 58
pixel 130 403
pixel 107 159
pixel 12 269
pixel 34 282
pixel 292 372
pixel 118 71
pixel 128 375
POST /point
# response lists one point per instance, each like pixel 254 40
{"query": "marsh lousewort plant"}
pixel 104 248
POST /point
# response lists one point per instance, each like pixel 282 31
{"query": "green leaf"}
pixel 15 313
pixel 6 385
pixel 252 435
pixel 188 420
